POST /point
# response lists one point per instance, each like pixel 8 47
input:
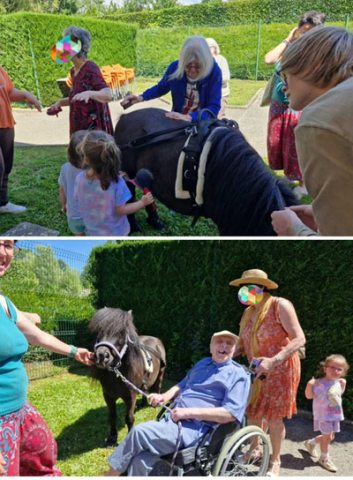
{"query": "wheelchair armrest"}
pixel 215 437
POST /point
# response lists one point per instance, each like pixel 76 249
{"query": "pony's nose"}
pixel 102 357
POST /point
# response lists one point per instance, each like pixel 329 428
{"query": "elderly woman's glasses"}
pixel 8 246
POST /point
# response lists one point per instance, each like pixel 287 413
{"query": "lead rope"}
pixel 138 390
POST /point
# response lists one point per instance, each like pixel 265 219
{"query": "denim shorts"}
pixel 76 225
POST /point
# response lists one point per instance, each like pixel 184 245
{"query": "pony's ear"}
pixel 130 314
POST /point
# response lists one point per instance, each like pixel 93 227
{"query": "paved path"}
pixel 34 128
pixel 297 462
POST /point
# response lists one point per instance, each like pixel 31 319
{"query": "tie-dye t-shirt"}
pixel 98 207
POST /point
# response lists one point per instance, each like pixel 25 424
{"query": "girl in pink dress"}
pixel 326 392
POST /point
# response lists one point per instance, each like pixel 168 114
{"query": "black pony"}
pixel 141 359
pixel 239 193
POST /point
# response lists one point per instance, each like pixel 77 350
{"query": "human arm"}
pixel 35 336
pixel 102 96
pixel 128 208
pixel 2 463
pixel 297 221
pixel 343 384
pixel 213 414
pixel 276 53
pixel 162 87
pixel 130 100
pixel 156 399
pixel 25 96
pixel 33 317
pixel 62 197
pixel 309 394
pixel 291 325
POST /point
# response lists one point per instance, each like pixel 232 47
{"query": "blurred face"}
pixel 300 92
pixel 193 70
pixel 222 348
pixel 6 255
pixel 334 370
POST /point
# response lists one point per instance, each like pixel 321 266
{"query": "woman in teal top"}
pixel 27 446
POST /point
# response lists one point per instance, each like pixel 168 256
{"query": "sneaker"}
pixel 328 464
pixel 311 448
pixel 12 208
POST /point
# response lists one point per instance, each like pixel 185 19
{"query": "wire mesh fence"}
pixel 50 281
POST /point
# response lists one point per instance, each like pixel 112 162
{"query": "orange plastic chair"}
pixel 109 80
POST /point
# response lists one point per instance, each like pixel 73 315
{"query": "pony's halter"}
pixel 118 354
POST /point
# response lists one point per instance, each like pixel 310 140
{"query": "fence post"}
pixel 346 22
pixel 34 67
pixel 258 50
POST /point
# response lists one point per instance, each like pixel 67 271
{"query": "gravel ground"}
pixel 297 462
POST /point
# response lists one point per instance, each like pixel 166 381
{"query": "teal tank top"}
pixel 13 375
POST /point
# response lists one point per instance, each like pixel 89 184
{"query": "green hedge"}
pixel 244 46
pixel 178 291
pixel 236 11
pixel 111 43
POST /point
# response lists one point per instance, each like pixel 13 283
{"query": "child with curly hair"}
pixel 326 390
pixel 100 191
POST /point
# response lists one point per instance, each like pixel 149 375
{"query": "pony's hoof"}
pixel 155 223
pixel 111 441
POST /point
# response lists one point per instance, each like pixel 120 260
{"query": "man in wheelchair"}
pixel 214 391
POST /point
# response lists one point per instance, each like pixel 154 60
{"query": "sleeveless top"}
pixel 327 401
pixel 13 375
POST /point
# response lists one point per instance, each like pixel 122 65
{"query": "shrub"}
pixel 234 12
pixel 26 40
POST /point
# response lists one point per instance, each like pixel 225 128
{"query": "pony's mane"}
pixel 235 169
pixel 113 323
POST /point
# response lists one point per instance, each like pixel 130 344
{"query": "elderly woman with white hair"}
pixel 89 95
pixel 223 65
pixel 195 82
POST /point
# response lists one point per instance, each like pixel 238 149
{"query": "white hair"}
pixel 211 42
pixel 81 34
pixel 195 49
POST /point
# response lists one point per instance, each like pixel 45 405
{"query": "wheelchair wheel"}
pixel 239 458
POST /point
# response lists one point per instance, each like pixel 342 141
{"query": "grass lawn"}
pixel 34 183
pixel 241 91
pixel 74 408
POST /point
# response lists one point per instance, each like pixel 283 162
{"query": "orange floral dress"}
pixel 276 397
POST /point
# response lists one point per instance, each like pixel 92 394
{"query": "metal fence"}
pixel 48 280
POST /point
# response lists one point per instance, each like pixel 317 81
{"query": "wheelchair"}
pixel 227 450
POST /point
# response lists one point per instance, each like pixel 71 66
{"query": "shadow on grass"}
pixel 89 432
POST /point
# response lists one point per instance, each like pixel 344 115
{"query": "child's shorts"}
pixel 76 225
pixel 326 427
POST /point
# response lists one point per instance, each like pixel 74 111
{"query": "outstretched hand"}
pixel 130 99
pixel 178 116
pixel 84 356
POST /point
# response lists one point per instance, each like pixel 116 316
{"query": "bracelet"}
pixel 72 352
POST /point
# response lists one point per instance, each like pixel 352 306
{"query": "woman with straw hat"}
pixel 271 334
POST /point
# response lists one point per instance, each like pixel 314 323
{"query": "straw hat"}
pixel 259 277
pixel 225 333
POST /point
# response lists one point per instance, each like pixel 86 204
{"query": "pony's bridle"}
pixel 112 347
